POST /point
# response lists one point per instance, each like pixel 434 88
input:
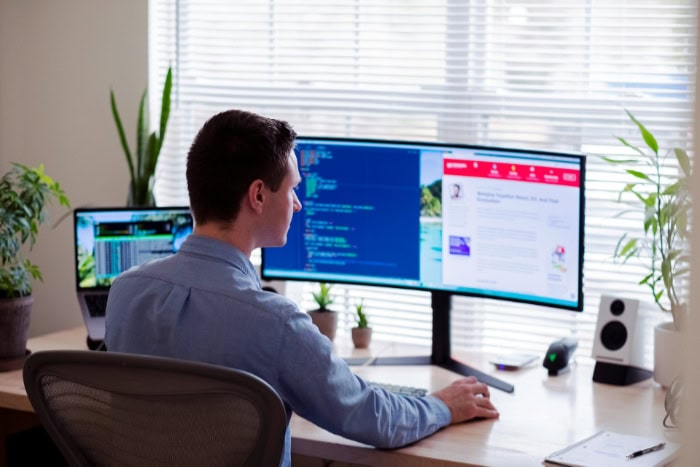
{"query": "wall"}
pixel 58 60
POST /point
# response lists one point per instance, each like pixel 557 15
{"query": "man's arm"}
pixel 320 387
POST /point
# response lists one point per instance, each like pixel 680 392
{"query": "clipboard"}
pixel 611 449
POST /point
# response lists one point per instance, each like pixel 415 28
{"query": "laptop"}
pixel 108 241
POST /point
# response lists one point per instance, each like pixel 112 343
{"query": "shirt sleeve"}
pixel 319 386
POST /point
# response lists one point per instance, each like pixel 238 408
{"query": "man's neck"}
pixel 225 233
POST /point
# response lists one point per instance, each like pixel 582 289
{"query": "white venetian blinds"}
pixel 547 74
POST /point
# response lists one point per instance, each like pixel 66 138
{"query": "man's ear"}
pixel 256 195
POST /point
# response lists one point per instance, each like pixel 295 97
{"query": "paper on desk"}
pixel 607 448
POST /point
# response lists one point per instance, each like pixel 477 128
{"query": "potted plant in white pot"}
pixel 660 192
pixel 362 333
pixel 24 193
pixel 323 317
pixel 142 164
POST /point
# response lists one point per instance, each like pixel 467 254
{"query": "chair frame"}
pixel 150 376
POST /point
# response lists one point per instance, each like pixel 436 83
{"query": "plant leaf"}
pixel 639 174
pixel 142 125
pixel 631 146
pixel 164 109
pixel 628 247
pixel 120 131
pixel 683 160
pixel 619 161
pixel 151 157
pixel 646 135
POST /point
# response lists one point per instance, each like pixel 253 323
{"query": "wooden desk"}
pixel 542 415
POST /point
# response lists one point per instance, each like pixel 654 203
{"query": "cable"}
pixel 672 403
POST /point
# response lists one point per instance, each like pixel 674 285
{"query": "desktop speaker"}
pixel 618 345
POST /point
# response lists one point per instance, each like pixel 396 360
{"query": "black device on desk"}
pixel 444 218
pixel 559 354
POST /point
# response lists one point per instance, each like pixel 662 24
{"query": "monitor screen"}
pixel 108 241
pixel 471 220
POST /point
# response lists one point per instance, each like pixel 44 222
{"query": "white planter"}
pixel 668 353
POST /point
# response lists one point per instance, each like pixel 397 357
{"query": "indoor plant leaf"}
pixel 142 164
pixel 683 160
pixel 120 131
pixel 664 198
pixel 26 191
pixel 165 109
pixel 141 135
pixel 646 135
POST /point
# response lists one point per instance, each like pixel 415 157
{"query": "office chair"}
pixel 107 408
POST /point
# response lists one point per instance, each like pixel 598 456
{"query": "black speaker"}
pixel 618 345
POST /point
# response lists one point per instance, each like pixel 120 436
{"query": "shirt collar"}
pixel 200 245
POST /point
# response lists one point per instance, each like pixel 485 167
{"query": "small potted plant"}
pixel 324 318
pixel 362 333
pixel 659 194
pixel 24 193
pixel 142 164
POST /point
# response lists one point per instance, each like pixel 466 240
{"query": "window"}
pixel 541 74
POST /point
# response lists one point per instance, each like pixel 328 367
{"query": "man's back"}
pixel 205 304
pixel 197 306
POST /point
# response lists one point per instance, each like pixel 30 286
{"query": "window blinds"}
pixel 541 74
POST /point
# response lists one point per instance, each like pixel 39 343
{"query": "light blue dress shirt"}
pixel 205 303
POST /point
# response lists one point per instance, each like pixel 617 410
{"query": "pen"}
pixel 641 452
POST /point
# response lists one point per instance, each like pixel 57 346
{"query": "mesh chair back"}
pixel 113 409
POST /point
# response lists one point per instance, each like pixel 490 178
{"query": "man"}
pixel 205 302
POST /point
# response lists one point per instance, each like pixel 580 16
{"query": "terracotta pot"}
pixel 668 353
pixel 15 314
pixel 361 337
pixel 326 322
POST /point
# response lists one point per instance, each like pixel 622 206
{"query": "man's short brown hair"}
pixel 233 149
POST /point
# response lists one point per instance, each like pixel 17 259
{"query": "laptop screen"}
pixel 108 241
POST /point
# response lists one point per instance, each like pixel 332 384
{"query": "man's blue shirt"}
pixel 205 303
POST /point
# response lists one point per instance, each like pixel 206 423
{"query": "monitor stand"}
pixel 441 349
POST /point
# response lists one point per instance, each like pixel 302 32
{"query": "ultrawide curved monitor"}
pixel 472 220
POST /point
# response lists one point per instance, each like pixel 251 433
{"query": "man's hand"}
pixel 467 398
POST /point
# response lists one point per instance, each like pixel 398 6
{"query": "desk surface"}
pixel 544 413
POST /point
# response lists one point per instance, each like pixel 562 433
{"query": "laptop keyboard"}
pixel 400 389
pixel 96 304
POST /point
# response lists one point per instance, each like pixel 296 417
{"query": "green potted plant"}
pixel 362 333
pixel 659 191
pixel 323 317
pixel 24 193
pixel 142 162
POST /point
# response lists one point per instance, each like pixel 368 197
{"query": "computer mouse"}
pixel 558 355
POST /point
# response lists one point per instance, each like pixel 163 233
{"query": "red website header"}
pixel 509 171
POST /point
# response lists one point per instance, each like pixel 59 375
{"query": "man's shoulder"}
pixel 155 266
pixel 273 302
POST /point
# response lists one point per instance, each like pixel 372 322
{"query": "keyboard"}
pixel 400 389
